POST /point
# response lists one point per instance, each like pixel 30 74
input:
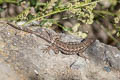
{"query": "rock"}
pixel 21 58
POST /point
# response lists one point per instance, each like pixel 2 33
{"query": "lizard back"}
pixel 74 47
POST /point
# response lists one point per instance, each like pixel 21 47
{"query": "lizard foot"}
pixel 46 50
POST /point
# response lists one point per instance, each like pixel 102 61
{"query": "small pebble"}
pixel 107 69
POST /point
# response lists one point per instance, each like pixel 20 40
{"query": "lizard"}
pixel 68 48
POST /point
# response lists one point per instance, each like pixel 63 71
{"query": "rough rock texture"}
pixel 21 58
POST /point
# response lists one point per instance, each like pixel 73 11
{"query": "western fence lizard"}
pixel 57 45
pixel 69 48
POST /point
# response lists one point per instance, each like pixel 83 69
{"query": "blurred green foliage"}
pixel 8 1
pixel 82 10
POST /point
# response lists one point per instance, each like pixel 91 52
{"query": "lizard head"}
pixel 52 37
pixel 55 38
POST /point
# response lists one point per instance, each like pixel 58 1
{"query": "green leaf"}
pixel 1 9
pixel 33 2
pixel 43 22
pixel 67 29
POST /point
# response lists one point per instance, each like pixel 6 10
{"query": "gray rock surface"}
pixel 21 58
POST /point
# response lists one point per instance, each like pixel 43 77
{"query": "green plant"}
pixel 81 10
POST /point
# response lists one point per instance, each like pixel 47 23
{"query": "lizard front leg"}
pixel 49 47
